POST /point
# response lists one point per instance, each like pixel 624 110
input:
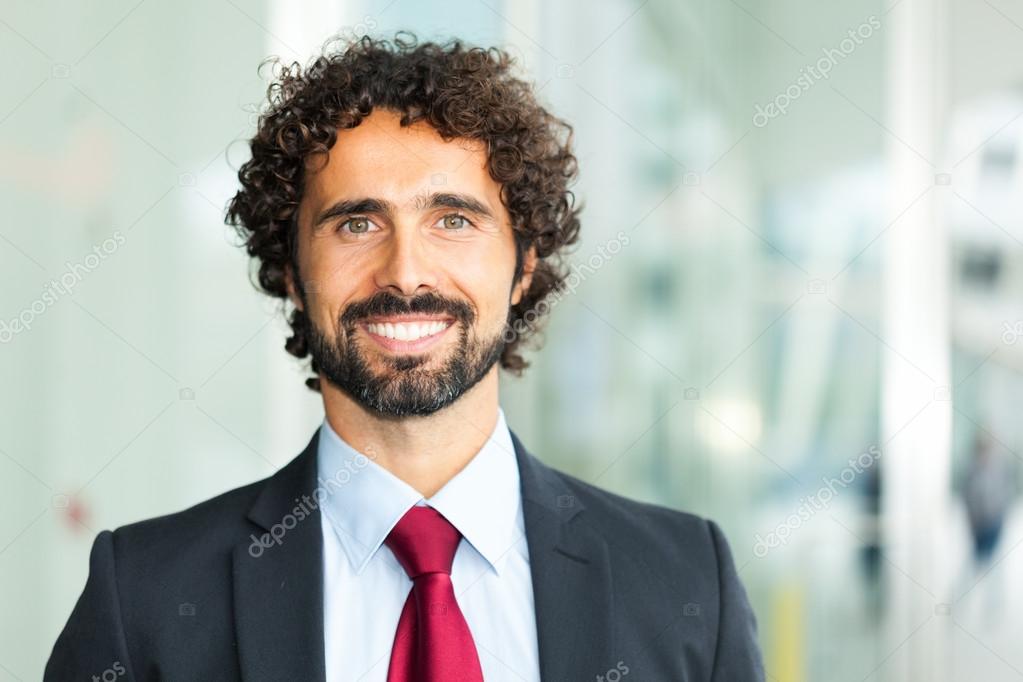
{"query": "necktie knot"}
pixel 424 542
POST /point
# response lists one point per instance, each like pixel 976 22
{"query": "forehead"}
pixel 380 158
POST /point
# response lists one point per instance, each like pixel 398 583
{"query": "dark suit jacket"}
pixel 621 590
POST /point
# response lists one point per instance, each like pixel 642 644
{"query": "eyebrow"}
pixel 463 202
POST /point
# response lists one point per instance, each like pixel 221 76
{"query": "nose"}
pixel 407 268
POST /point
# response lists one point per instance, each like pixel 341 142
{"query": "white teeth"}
pixel 407 332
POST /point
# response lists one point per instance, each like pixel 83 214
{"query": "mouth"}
pixel 407 333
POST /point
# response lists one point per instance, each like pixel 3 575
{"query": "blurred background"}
pixel 795 308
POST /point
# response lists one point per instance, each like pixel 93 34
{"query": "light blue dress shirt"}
pixel 365 587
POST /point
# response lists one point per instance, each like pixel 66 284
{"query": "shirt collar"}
pixel 363 501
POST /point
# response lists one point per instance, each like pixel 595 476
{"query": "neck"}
pixel 425 452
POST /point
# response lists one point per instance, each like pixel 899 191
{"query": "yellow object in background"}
pixel 786 652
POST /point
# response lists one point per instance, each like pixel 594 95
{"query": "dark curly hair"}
pixel 462 92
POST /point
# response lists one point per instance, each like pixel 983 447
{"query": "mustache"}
pixel 385 303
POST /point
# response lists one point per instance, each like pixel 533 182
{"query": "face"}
pixel 405 260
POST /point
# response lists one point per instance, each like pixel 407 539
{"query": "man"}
pixel 411 202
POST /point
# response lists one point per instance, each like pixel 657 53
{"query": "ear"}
pixel 289 280
pixel 527 276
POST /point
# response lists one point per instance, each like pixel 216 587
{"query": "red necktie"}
pixel 432 642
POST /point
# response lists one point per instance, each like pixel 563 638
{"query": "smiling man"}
pixel 411 204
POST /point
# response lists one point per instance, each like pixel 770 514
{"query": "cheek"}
pixel 492 297
pixel 333 279
pixel 484 279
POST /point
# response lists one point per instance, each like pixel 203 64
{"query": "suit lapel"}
pixel 278 587
pixel 571 574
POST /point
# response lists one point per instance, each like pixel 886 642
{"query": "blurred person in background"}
pixel 989 491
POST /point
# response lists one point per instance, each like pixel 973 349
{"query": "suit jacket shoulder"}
pixel 668 540
pixel 679 609
pixel 163 586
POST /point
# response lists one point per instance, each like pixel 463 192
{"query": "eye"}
pixel 455 221
pixel 357 225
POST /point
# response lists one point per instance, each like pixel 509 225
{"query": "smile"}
pixel 407 336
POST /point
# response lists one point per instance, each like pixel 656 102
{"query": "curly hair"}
pixel 459 90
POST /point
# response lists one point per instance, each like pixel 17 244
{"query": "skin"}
pixel 408 248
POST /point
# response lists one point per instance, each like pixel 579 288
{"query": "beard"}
pixel 404 386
